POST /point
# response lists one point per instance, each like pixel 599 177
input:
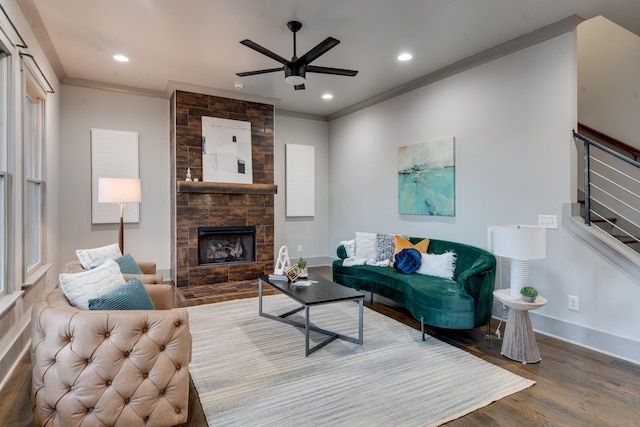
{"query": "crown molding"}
pixel 131 90
pixel 173 85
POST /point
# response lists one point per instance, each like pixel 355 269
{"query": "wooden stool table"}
pixel 519 341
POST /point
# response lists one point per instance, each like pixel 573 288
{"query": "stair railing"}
pixel 611 189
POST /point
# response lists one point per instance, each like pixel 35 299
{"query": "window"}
pixel 4 175
pixel 34 174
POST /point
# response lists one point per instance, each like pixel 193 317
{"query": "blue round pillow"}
pixel 408 260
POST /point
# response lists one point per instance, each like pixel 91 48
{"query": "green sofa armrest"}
pixel 478 282
pixel 341 252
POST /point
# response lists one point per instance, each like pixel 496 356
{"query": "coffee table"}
pixel 322 292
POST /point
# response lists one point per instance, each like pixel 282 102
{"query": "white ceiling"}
pixel 197 41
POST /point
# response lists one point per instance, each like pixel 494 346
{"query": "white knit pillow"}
pixel 366 245
pixel 91 258
pixel 349 247
pixel 439 265
pixel 79 288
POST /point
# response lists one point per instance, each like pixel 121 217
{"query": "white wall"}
pixel 512 119
pixel 609 94
pixel 83 109
pixel 310 232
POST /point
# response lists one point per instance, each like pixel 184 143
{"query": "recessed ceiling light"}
pixel 404 56
pixel 121 58
pixel 327 96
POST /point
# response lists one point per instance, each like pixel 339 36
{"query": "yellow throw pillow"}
pixel 402 243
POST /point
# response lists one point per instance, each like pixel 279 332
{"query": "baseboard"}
pixel 16 351
pixel 602 342
pixel 318 261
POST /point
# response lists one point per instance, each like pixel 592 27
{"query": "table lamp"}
pixel 520 243
pixel 121 191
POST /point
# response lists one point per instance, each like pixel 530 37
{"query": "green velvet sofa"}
pixel 465 302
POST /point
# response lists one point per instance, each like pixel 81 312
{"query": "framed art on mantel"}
pixel 226 151
pixel 426 178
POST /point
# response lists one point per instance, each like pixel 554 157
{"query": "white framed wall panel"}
pixel 300 185
pixel 114 154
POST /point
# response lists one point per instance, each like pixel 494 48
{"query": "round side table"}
pixel 519 341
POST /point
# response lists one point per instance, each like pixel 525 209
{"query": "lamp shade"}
pixel 521 242
pixel 119 190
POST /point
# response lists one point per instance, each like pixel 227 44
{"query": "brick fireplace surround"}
pixel 204 204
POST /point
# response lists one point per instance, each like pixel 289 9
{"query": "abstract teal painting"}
pixel 426 178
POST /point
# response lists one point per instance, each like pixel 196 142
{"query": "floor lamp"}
pixel 121 191
pixel 520 243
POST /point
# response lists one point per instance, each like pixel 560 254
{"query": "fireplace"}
pixel 223 245
pixel 220 204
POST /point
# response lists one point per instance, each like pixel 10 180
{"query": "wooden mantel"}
pixel 225 188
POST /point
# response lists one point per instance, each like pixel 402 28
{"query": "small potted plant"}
pixel 529 293
pixel 302 264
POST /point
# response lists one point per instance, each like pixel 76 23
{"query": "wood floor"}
pixel 574 386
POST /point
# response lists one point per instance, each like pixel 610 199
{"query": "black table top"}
pixel 318 293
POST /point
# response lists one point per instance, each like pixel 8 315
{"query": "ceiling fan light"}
pixel 294 80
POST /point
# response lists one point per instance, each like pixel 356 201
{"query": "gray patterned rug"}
pixel 251 371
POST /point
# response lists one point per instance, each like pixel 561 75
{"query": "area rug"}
pixel 252 371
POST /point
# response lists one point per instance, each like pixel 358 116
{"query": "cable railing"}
pixel 611 191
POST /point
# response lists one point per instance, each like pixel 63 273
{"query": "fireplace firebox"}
pixel 226 245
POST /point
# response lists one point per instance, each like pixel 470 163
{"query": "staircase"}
pixel 610 198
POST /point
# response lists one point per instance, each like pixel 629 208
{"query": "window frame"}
pixel 6 142
pixel 33 149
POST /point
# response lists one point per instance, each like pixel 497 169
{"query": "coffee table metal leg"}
pixel 260 297
pixel 360 313
pixel 306 330
pixel 306 325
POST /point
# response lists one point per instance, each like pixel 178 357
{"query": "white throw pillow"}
pixel 439 265
pixel 79 288
pixel 349 247
pixel 91 258
pixel 366 245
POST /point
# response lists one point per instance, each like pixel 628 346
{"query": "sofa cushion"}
pixel 79 288
pixel 439 265
pixel 366 245
pixel 128 265
pixel 401 243
pixel 407 260
pixel 130 296
pixel 385 246
pixel 91 258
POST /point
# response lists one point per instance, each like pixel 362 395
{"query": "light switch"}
pixel 548 221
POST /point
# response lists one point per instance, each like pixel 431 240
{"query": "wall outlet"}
pixel 548 221
pixel 299 248
pixel 574 303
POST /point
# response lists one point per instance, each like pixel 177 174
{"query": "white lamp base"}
pixel 519 276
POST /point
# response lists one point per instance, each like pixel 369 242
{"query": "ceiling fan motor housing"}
pixel 294 73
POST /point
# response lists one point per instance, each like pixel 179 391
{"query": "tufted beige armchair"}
pixel 110 368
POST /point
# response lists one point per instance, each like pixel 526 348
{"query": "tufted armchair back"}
pixel 148 269
pixel 108 368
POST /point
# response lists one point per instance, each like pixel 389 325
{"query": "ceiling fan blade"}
pixel 263 50
pixel 320 49
pixel 253 73
pixel 329 70
pixel 299 87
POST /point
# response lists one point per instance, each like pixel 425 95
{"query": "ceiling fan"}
pixel 296 69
